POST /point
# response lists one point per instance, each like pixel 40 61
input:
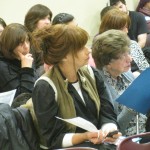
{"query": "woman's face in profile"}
pixel 23 47
pixel 121 64
pixel 43 22
pixel 82 57
pixel 121 7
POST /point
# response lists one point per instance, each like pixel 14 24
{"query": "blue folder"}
pixel 137 95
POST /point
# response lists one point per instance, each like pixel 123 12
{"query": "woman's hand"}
pixel 112 139
pixel 26 60
pixel 108 128
pixel 98 138
pixel 95 137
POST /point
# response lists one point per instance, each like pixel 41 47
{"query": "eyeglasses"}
pixel 124 56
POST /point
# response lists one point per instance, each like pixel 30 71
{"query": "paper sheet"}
pixel 7 97
pixel 82 123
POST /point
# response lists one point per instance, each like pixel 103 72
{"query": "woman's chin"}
pixel 127 69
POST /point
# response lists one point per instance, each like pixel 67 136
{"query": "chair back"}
pixel 129 144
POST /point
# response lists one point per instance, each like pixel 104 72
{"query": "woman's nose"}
pixel 48 21
pixel 89 50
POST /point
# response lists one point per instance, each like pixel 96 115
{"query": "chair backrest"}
pixel 129 144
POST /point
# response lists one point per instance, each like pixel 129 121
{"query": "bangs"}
pixel 78 38
pixel 19 36
pixel 119 22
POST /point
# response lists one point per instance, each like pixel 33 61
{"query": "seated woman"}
pixel 111 53
pixel 16 60
pixel 37 17
pixel 116 19
pixel 79 93
pixel 2 25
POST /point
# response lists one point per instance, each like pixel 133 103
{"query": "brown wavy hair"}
pixel 36 13
pixel 57 41
pixel 114 19
pixel 11 37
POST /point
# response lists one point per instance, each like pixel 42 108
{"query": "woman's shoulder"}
pixel 134 46
pixel 132 42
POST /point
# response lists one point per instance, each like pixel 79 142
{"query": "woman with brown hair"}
pixel 79 92
pixel 16 60
pixel 37 17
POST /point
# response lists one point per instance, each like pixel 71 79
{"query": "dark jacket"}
pixel 12 76
pixel 52 129
pixel 16 129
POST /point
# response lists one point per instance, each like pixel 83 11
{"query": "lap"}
pixel 97 146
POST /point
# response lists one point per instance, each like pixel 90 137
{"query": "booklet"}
pixel 7 97
pixel 137 95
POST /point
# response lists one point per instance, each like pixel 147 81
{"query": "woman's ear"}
pixel 65 59
pixel 68 58
pixel 108 66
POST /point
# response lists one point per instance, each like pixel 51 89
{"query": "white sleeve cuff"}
pixel 67 140
pixel 108 127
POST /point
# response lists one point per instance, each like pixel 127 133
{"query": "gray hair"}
pixel 109 45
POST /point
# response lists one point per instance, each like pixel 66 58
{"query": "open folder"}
pixel 137 95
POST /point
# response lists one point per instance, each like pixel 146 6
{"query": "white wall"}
pixel 87 12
